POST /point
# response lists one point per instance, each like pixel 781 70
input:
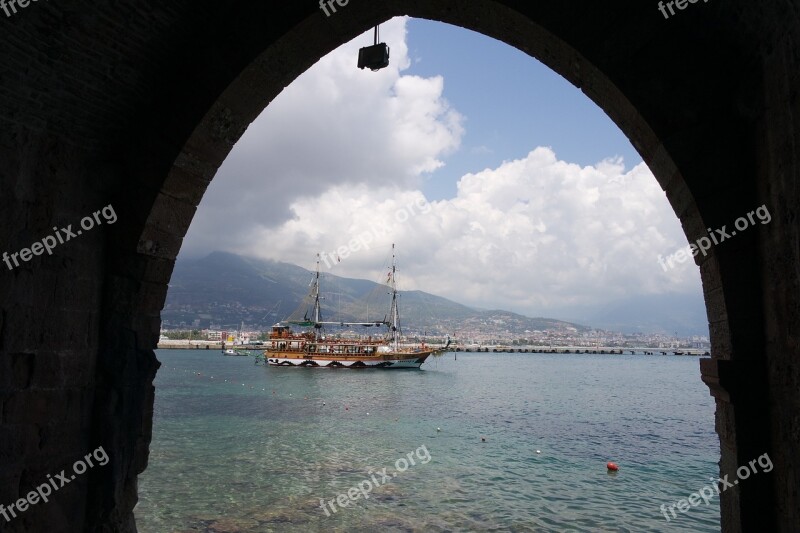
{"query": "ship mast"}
pixel 394 312
pixel 317 314
pixel 316 320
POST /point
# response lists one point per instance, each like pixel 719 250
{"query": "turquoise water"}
pixel 255 448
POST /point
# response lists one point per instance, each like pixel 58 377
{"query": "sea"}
pixel 470 442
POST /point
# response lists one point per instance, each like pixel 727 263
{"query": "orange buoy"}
pixel 612 466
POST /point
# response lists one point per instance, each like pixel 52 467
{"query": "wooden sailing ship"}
pixel 313 348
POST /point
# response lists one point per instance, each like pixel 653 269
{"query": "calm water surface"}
pixel 244 448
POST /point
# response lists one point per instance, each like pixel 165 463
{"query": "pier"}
pixel 190 345
pixel 598 350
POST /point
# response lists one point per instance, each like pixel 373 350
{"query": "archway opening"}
pixel 535 161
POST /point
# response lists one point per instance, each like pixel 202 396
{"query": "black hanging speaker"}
pixel 374 57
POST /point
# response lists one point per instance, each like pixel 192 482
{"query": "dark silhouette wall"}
pixel 135 104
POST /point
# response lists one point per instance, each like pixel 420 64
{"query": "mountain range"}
pixel 684 314
pixel 224 289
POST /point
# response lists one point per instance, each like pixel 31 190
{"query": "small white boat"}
pixel 231 351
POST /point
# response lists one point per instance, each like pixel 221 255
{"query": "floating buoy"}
pixel 346 408
pixel 438 429
pixel 483 439
pixel 612 467
pixel 538 451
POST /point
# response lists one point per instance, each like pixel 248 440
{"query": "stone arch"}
pixel 708 98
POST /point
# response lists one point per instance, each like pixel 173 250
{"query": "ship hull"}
pixel 413 360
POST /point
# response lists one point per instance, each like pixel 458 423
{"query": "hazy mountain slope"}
pixel 226 289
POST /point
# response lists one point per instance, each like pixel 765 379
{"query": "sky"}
pixel 501 184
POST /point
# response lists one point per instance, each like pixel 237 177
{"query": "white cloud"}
pixel 534 234
pixel 335 125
